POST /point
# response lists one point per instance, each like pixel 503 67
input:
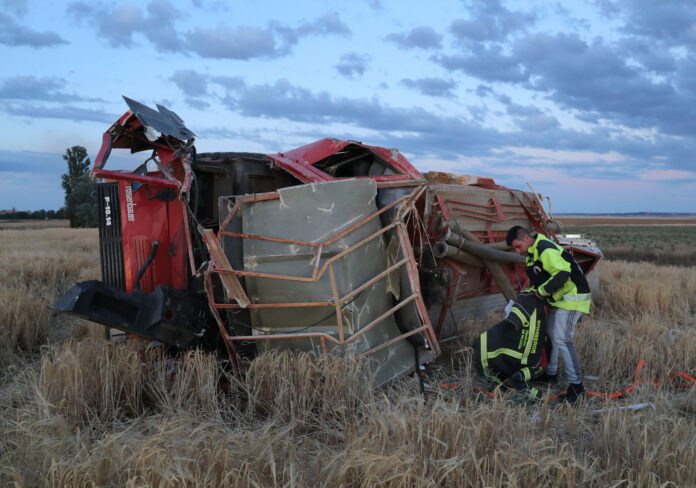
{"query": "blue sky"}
pixel 592 102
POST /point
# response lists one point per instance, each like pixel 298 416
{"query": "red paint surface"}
pixel 299 162
pixel 150 220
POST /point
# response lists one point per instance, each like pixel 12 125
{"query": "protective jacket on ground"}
pixel 555 274
pixel 511 351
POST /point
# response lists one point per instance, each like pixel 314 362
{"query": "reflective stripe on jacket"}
pixel 554 273
pixel 511 351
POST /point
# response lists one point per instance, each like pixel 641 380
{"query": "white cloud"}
pixel 550 156
pixel 666 174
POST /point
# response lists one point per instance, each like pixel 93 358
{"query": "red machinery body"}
pixel 302 162
pixel 173 230
pixel 150 209
pixel 149 220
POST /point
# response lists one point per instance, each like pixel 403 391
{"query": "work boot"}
pixel 574 392
pixel 550 379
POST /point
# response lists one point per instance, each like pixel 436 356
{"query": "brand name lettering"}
pixel 129 204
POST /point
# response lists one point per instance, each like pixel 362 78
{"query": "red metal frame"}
pixel 145 220
pixel 299 162
pixel 318 272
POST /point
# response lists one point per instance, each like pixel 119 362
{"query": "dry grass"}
pixel 596 220
pixel 90 413
pixel 665 241
pixel 36 266
pixel 34 224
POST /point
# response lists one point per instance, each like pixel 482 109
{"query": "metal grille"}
pixel 110 236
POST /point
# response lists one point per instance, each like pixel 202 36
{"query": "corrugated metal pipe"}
pixel 443 250
pixel 474 253
pixel 483 251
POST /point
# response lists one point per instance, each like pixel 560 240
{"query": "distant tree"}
pixel 80 192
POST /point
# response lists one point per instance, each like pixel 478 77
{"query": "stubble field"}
pixel 76 410
pixel 34 224
pixel 655 240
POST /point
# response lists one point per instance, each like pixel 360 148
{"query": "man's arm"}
pixel 556 266
pixel 520 381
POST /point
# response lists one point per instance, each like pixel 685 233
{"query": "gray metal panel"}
pixel 317 212
pixel 466 308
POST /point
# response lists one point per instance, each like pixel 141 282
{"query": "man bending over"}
pixel 510 352
pixel 556 277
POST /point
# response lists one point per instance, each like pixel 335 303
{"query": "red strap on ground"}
pixel 690 381
pixel 637 381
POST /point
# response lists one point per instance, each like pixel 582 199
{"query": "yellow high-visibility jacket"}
pixel 554 274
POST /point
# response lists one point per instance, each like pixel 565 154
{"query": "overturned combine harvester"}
pixel 332 247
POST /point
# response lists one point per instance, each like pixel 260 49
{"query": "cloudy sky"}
pixel 592 102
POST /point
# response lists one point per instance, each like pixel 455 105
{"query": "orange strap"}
pixel 690 381
pixel 637 381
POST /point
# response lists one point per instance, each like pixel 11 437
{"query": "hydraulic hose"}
pixel 147 262
pixel 443 250
pixel 490 258
pixel 482 251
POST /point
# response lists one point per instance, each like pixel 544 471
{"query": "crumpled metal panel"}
pixel 162 121
pixel 465 216
pixel 316 212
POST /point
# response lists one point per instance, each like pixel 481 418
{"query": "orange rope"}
pixel 607 396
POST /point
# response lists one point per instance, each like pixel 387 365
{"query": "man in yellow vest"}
pixel 556 277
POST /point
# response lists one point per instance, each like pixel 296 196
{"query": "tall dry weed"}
pixel 635 289
pixel 390 437
pixel 90 413
pixel 444 444
pixel 91 381
pixel 646 312
pixel 296 387
pixel 173 452
pixel 186 384
pixel 36 267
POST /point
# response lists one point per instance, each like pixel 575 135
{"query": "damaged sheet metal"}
pixel 328 247
pixel 337 284
pixel 160 121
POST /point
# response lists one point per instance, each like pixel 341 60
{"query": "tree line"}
pixel 80 194
pixel 34 215
pixel 80 190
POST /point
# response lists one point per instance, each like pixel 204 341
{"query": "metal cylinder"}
pixel 442 250
pixel 482 251
pixel 472 243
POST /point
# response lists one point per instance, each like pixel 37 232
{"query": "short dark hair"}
pixel 515 233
